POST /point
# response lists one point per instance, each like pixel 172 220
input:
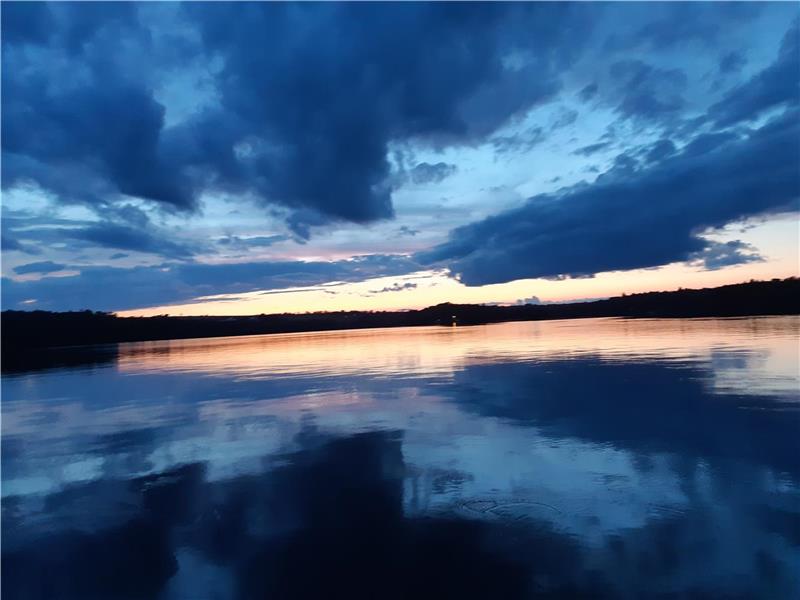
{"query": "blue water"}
pixel 588 458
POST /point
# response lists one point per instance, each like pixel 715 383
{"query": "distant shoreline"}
pixel 26 331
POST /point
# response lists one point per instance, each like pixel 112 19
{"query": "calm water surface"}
pixel 587 458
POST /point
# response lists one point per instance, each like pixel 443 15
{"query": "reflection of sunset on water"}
pixel 766 349
pixel 596 429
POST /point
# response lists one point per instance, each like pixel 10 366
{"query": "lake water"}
pixel 584 458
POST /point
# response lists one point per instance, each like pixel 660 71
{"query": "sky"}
pixel 226 158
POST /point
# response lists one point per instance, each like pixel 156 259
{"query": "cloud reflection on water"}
pixel 582 457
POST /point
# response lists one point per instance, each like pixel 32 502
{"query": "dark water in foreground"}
pixel 572 459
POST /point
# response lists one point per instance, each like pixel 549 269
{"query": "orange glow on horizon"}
pixel 778 242
pixel 439 288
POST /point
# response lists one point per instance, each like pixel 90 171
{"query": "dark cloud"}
pixel 87 130
pixel 588 92
pixel 633 217
pixel 678 27
pixel 776 86
pixel 124 237
pixel 405 230
pixel 660 150
pixel 718 255
pixel 42 268
pixel 592 149
pixel 648 92
pixel 112 288
pixel 708 142
pixel 351 78
pixel 520 142
pixel 118 255
pixel 127 228
pixel 395 287
pixel 10 244
pixel 431 173
pixel 564 119
pixel 307 106
pixel 247 243
pixel 670 25
pixel 646 213
pixel 732 62
pixel 529 138
pixel 26 23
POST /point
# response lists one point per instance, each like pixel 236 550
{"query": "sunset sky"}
pixel 222 158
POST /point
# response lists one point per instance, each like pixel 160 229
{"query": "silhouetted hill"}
pixel 23 331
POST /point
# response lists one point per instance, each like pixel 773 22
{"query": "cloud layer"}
pixel 142 142
pixel 111 288
pixel 652 206
pixel 300 116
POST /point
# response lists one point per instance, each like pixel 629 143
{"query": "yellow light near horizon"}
pixel 777 240
pixel 440 288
